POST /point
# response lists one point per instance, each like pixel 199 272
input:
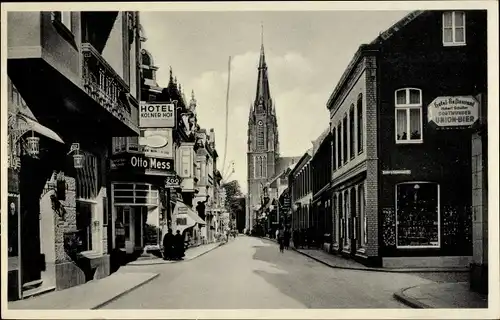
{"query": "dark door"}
pixel 31 183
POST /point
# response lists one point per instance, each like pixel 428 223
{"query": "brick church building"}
pixel 263 158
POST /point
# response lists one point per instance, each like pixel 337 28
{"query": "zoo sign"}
pixel 459 111
pixel 156 115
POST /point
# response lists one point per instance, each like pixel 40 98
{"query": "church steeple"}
pixel 263 93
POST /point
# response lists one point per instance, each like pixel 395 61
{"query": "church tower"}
pixel 263 142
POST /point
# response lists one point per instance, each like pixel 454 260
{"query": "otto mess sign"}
pixel 157 115
pixel 462 111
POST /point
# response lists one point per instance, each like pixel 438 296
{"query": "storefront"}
pixel 137 216
pixel 187 222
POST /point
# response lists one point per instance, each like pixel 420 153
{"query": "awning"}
pixel 185 217
pixel 40 129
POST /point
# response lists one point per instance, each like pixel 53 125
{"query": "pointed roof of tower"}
pixel 263 91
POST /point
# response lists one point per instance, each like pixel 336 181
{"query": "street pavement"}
pixel 251 273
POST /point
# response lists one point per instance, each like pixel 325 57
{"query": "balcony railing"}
pixel 105 86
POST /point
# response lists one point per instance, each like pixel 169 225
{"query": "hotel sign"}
pixel 157 115
pixel 135 162
pixel 449 112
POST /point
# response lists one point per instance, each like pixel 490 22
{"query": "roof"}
pixel 303 160
pixel 283 165
pixel 317 143
pixel 383 36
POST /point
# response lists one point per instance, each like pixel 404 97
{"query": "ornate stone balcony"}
pixel 106 87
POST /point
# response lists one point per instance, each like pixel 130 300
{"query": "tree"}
pixel 233 203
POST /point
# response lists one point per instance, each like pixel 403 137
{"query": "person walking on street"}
pixel 281 239
pixel 168 245
pixel 178 246
pixel 287 238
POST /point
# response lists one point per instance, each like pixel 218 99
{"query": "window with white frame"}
pixel 352 132
pixel 64 17
pixel 339 145
pixel 417 215
pixel 408 114
pixel 454 28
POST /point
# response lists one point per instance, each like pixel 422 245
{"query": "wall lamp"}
pixel 77 157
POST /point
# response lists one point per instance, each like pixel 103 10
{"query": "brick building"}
pixel 300 187
pixel 401 183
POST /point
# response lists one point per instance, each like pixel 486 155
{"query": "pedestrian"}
pixel 168 245
pixel 295 236
pixel 281 239
pixel 178 246
pixel 287 238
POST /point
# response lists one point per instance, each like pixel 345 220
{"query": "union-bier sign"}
pixel 450 112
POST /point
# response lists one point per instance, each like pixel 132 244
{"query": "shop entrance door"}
pixel 31 183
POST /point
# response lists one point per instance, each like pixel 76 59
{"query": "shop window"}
pixel 13 223
pixel 352 130
pixel 84 218
pixel 408 114
pixel 417 215
pixel 454 28
pixel 339 145
pixel 347 216
pixel 345 141
pixel 335 217
pixel 123 219
pixel 362 239
pixel 341 217
pixel 359 110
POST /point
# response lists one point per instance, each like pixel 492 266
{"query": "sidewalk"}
pixel 442 295
pixel 338 262
pixel 191 253
pixel 91 295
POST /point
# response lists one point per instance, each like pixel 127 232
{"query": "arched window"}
pixel 359 111
pixel 408 114
pixel 263 164
pixel 261 145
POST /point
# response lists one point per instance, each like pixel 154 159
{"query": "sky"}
pixel 306 54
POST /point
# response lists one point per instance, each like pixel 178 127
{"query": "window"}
pixel 64 17
pixel 86 178
pixel 334 146
pixel 352 130
pixel 261 145
pixel 335 216
pixel 339 145
pixel 135 193
pixel 84 219
pixel 417 215
pixel 408 112
pixel 345 141
pixel 454 28
pixel 359 111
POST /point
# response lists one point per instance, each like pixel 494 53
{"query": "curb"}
pixel 170 262
pixel 409 270
pixel 411 302
pixel 102 304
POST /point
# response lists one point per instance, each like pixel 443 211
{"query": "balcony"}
pixel 107 88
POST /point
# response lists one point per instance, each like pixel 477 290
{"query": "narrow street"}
pixel 251 273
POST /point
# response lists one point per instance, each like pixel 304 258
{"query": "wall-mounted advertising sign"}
pixel 137 162
pixel 157 142
pixel 448 112
pixel 156 115
pixel 172 182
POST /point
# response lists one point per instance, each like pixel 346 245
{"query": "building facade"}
pixel 58 173
pixel 401 178
pixel 321 164
pixel 300 186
